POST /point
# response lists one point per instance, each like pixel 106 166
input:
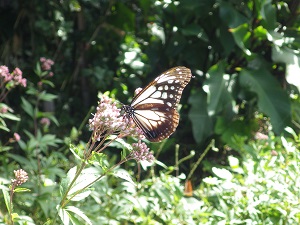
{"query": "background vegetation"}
pixel 244 56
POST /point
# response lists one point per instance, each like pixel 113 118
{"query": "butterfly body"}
pixel 154 109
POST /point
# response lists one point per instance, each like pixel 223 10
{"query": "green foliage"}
pixel 245 59
pixel 257 190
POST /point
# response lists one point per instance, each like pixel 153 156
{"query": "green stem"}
pixel 211 144
pixel 101 176
pixel 11 204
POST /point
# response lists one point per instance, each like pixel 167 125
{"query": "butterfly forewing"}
pixel 154 108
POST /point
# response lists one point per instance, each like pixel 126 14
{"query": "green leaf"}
pixel 4 128
pixel 292 60
pixel 272 100
pixel 222 173
pixel 122 143
pixel 5 192
pixel 63 214
pixel 79 188
pixel 22 160
pixel 27 107
pixel 123 174
pixel 234 133
pixel 268 13
pixel 195 30
pixel 46 96
pixel 10 116
pixel 241 36
pixel 217 86
pixel 79 213
pixel 230 15
pixel 22 190
pixel 201 122
pixel 76 151
pixel 99 159
pixel 38 69
pixel 50 83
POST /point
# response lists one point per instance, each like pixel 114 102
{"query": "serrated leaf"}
pixel 77 152
pixel 63 214
pixel 79 213
pixel 79 189
pixel 99 159
pixel 123 174
pixel 121 141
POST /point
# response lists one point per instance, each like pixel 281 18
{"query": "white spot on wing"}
pixel 162 79
pixel 156 94
pixel 164 95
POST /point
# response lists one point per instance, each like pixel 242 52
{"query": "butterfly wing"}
pixel 154 108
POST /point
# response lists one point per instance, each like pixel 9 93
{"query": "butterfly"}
pixel 154 108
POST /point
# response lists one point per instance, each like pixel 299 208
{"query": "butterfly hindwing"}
pixel 154 109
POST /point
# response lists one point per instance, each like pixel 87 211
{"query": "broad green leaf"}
pixel 272 100
pixel 201 122
pixel 234 132
pixel 292 60
pixel 230 15
pixel 195 30
pixel 241 35
pixel 218 86
pixel 268 13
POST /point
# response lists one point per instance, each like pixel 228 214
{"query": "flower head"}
pixel 21 177
pixel 140 152
pixel 261 136
pixel 4 74
pixel 45 121
pixel 17 137
pixel 15 78
pixel 108 120
pixel 46 63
